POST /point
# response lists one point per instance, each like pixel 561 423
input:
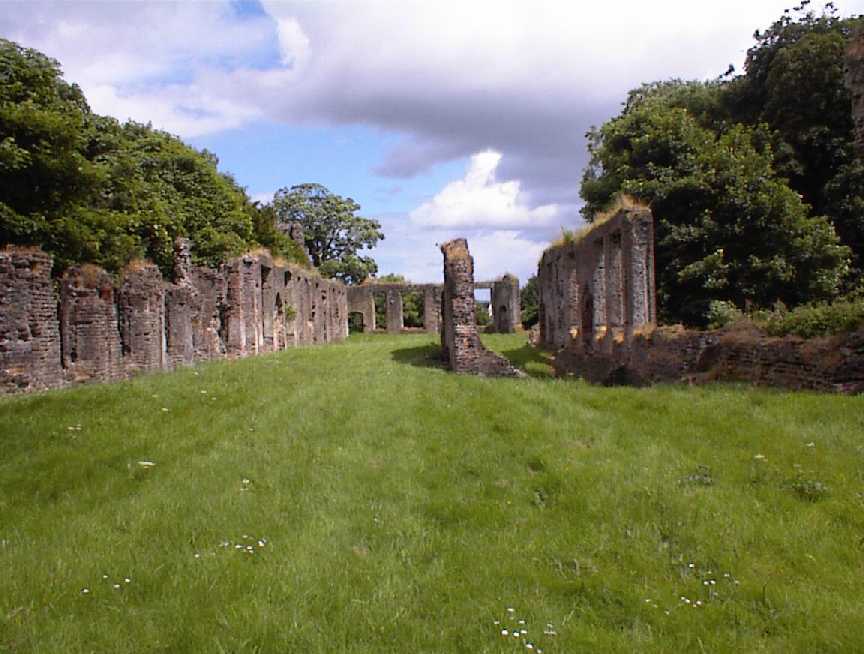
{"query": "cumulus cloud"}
pixel 161 62
pixel 452 78
pixel 479 200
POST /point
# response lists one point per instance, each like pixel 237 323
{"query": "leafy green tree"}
pixel 736 168
pixel 529 298
pixel 727 228
pixel 334 234
pixel 88 189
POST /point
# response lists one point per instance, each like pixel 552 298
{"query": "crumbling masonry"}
pixel 460 343
pixel 600 287
pixel 361 299
pixel 98 329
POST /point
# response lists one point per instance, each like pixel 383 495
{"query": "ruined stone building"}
pixel 362 300
pixel 600 285
pixel 98 328
pixel 460 343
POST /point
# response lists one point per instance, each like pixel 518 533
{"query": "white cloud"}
pixel 478 200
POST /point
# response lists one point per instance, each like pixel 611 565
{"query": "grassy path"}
pixel 357 498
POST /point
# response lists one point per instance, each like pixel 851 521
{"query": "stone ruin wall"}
pixel 96 329
pixel 506 306
pixel 597 309
pixel 601 287
pixel 460 342
pixel 361 299
pixel 674 354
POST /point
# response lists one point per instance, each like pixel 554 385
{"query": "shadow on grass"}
pixel 425 356
pixel 528 354
pixel 534 362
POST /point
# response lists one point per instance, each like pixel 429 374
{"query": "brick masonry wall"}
pixel 830 364
pixel 29 329
pixel 93 328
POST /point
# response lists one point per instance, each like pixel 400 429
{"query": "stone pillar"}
pixel 395 318
pixel 432 309
pixel 234 321
pixel 29 331
pixel 598 288
pixel 505 305
pixel 460 343
pixel 142 318
pixel 614 281
pixel 88 325
pixel 638 247
pixel 369 314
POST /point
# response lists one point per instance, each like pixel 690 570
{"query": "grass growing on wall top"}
pixel 358 498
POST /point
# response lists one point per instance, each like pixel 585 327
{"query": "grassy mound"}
pixel 358 498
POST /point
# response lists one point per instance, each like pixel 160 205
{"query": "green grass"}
pixel 405 509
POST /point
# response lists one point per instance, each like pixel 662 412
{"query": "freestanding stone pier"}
pixel 460 343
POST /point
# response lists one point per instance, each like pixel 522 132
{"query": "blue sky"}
pixel 442 119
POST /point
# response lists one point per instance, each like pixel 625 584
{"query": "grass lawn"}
pixel 358 498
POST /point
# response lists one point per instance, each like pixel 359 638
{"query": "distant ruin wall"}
pixel 506 309
pixel 96 329
pixel 460 344
pixel 673 354
pixel 602 283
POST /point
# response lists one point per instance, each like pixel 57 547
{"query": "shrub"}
pixel 722 314
pixel 813 320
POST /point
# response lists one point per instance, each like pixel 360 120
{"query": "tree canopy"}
pixel 89 189
pixel 334 234
pixel 753 181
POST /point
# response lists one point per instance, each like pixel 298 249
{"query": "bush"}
pixel 813 320
pixel 722 314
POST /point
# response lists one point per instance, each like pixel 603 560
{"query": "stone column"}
pixel 142 319
pixel 29 330
pixel 395 318
pixel 460 343
pixel 505 304
pixel 432 309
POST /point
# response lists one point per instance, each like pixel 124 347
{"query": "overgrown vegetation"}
pixel 89 189
pixel 357 498
pixel 753 180
pixel 807 321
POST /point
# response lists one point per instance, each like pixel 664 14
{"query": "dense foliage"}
pixel 334 234
pixel 87 188
pixel 753 181
pixel 529 298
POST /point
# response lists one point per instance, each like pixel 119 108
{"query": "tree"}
pixel 752 178
pixel 334 235
pixel 727 228
pixel 530 300
pixel 88 189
